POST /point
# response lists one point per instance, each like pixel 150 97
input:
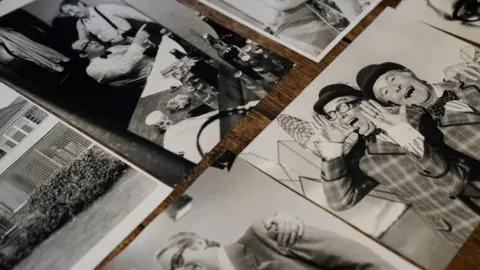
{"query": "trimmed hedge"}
pixel 68 192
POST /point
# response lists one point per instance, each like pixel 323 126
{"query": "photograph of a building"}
pixel 56 185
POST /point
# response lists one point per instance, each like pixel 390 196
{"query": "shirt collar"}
pixel 224 261
pixel 92 13
pixel 438 89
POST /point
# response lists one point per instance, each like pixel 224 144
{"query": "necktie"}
pixel 105 54
pixel 371 138
pixel 438 108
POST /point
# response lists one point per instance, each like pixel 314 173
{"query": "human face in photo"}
pixel 351 117
pixel 94 47
pixel 466 12
pixel 197 256
pixel 402 87
pixel 78 11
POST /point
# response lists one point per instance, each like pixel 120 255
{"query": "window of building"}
pixel 7 145
pixel 16 132
pixel 26 125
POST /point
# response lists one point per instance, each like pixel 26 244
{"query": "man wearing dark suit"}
pixel 363 145
pixel 454 105
pixel 281 242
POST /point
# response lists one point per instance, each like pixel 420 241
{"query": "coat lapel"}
pixel 459 118
pixel 470 93
pixel 385 148
pixel 240 259
pixel 466 92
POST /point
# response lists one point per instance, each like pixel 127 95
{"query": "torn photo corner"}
pixel 158 70
pixel 236 221
pixel 332 143
pixel 310 28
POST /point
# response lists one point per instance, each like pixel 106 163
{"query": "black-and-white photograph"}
pixel 458 17
pixel 309 27
pixel 237 222
pixel 387 139
pixel 65 201
pixel 161 70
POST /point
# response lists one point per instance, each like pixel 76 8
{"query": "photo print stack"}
pixel 157 69
pixel 65 201
pixel 309 27
pixel 386 138
pixel 238 222
pixel 374 165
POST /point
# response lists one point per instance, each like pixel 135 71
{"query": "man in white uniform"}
pixel 108 23
pixel 119 65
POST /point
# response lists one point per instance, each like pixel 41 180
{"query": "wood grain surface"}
pixel 290 87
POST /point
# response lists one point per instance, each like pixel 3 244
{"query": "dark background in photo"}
pixel 244 72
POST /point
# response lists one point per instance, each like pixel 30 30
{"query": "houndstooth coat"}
pixel 461 130
pixel 429 184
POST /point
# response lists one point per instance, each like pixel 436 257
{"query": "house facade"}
pixel 33 146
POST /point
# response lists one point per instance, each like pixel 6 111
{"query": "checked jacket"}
pixel 429 184
pixel 462 129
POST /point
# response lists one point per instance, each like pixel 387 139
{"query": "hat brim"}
pixel 326 98
pixel 375 74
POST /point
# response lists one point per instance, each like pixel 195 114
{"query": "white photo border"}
pixel 324 52
pixel 95 255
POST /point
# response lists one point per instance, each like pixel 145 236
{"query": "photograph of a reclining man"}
pixel 251 223
pixel 158 70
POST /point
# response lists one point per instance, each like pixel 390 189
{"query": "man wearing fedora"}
pixel 453 104
pixel 363 144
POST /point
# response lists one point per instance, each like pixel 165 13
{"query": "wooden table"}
pixel 291 86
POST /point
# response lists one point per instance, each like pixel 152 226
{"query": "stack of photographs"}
pixel 238 222
pixel 373 166
pixel 309 27
pixel 413 187
pixel 157 70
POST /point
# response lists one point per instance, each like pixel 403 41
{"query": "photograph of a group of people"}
pixel 310 27
pixel 159 70
pixel 459 17
pixel 238 222
pixel 63 197
pixel 387 138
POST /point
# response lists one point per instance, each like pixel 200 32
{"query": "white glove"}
pixel 407 137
